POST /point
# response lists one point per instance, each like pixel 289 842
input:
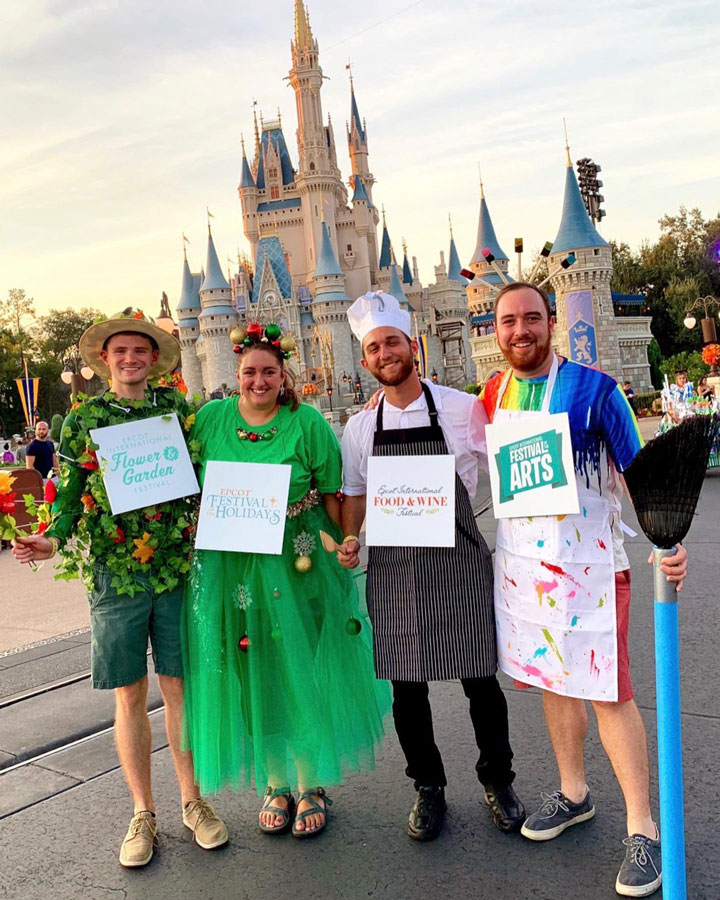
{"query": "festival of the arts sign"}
pixel 530 463
pixel 144 462
pixel 243 507
pixel 411 501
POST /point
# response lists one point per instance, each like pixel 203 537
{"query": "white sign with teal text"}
pixel 144 462
pixel 243 507
pixel 531 466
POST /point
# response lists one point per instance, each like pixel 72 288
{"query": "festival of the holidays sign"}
pixel 410 501
pixel 144 462
pixel 243 507
pixel 531 466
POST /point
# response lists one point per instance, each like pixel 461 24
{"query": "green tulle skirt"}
pixel 279 679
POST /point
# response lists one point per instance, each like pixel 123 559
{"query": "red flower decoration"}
pixel 189 531
pixel 50 492
pixel 711 354
pixel 7 503
pixel 42 526
pixel 118 537
pixel 91 463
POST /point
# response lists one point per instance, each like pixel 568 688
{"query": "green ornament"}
pixel 353 626
pixel 272 331
pixel 247 341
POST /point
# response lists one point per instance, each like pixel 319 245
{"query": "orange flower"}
pixel 88 501
pixel 143 552
pixel 5 482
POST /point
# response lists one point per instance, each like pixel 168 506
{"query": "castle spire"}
pixel 303 32
pixel 576 230
pixel 407 274
pixel 246 179
pixel 486 234
pixel 257 134
pixel 214 278
pixel 385 245
pixel 567 145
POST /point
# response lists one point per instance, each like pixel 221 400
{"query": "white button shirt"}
pixel 462 418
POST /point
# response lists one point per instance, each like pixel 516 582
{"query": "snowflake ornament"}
pixel 304 544
pixel 244 597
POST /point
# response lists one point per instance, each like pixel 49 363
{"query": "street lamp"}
pixel 359 395
pixel 434 376
pixel 74 373
pixel 329 390
pixel 709 331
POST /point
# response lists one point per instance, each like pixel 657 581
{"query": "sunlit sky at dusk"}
pixel 122 122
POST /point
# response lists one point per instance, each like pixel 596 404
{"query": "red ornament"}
pixel 50 492
pixel 276 343
pixel 237 348
pixel 244 643
pixel 254 330
pixel 7 503
pixel 252 436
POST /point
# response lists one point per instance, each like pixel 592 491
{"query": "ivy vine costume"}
pixel 132 564
pixel 279 680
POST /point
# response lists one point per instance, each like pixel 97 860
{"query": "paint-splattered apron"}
pixel 555 592
pixel 431 607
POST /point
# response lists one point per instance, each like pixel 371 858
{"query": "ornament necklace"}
pixel 247 434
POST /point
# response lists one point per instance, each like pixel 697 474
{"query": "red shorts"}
pixel 622 606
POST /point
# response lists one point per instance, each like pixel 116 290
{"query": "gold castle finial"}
pixel 349 68
pixel 383 215
pixel 450 222
pixel 257 133
pixel 482 189
pixel 303 32
pixel 404 246
pixel 567 145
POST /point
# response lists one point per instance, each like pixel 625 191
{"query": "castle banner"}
pixel 581 327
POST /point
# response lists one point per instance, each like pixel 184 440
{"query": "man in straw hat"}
pixel 431 607
pixel 562 577
pixel 135 593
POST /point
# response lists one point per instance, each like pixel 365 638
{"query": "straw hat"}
pixel 133 320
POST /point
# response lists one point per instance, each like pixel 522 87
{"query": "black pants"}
pixel 489 716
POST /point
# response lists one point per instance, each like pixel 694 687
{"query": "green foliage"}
pixel 655 359
pixel 472 388
pixel 691 361
pixel 672 273
pixel 56 428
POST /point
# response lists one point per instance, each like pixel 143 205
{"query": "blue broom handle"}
pixel 667 675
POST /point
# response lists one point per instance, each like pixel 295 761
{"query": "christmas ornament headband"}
pixel 258 335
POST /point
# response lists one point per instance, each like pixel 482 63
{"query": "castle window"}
pixel 274 192
pixel 596 252
pixel 312 166
pixel 349 246
pixel 272 173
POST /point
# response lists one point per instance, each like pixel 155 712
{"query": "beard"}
pixel 405 370
pixel 529 360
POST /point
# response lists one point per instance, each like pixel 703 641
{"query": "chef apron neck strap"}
pixel 432 409
pixel 549 387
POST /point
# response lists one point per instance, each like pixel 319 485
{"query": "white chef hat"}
pixel 374 310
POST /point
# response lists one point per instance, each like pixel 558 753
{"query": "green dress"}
pixel 279 681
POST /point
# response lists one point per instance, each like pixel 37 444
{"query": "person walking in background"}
pixel 630 394
pixel 40 454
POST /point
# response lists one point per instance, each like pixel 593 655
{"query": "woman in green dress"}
pixel 279 678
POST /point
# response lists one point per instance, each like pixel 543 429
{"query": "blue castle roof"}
pixel 246 179
pixel 407 274
pixel 385 249
pixel 576 230
pixel 275 137
pixel 355 115
pixel 214 278
pixel 327 263
pixel 270 252
pixel 270 205
pixel 189 298
pixel 454 264
pixel 359 193
pixel 486 236
pixel 395 288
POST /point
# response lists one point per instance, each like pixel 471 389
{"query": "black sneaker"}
pixel 555 815
pixel 507 809
pixel 428 814
pixel 641 872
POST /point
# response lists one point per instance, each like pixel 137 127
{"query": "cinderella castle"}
pixel 314 249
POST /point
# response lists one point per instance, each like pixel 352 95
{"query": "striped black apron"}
pixel 431 607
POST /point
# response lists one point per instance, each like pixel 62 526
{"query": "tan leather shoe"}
pixel 140 841
pixel 208 829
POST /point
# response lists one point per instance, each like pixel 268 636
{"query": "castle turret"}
pixel 216 320
pixel 480 293
pixel 188 310
pixel 358 144
pixel 248 192
pixel 586 332
pixel 330 306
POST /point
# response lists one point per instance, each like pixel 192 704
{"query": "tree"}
pixel 691 362
pixel 61 329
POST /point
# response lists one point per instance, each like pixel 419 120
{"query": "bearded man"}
pixel 431 607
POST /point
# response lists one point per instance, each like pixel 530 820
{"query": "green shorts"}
pixel 120 627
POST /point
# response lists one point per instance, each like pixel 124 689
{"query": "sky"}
pixel 123 122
